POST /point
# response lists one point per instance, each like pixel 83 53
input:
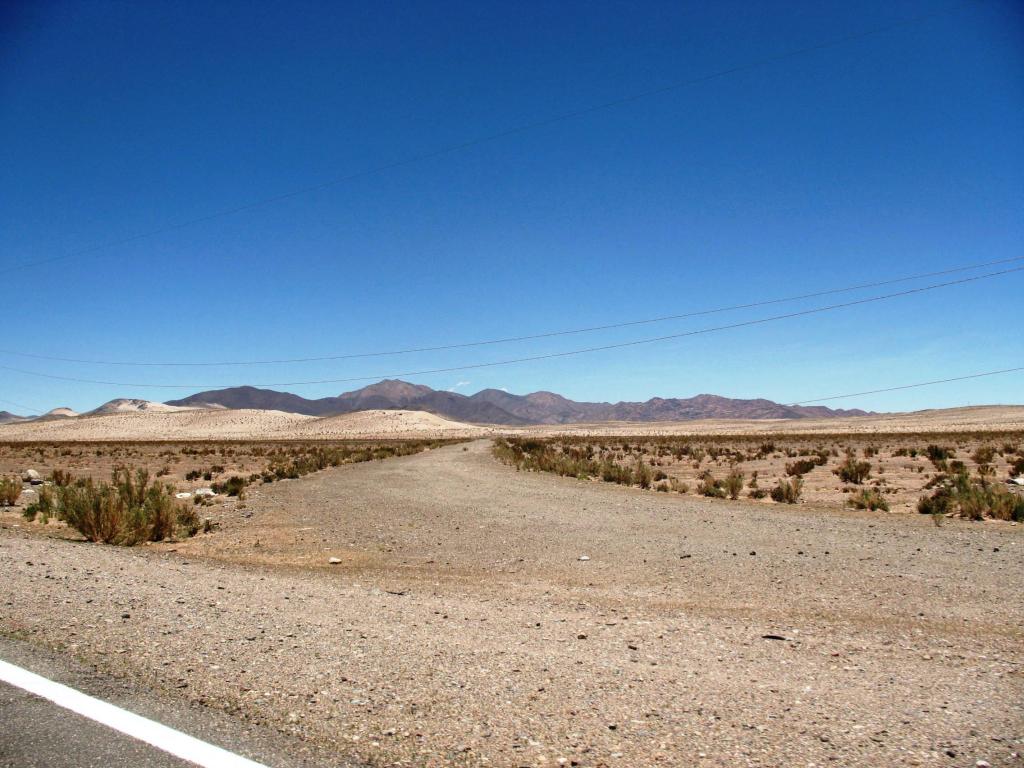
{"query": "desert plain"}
pixel 443 607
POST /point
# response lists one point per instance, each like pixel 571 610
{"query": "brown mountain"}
pixel 495 406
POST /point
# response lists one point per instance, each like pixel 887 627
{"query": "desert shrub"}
pixel 972 498
pixel 193 474
pixel 10 490
pixel 800 467
pixel 853 471
pixel 1017 468
pixel 788 491
pixel 757 493
pixel 126 511
pixel 733 484
pixel 233 486
pixel 659 475
pixel 663 487
pixel 61 477
pixel 939 452
pixel 643 474
pixel 983 455
pixel 42 508
pixel 868 498
pixel 707 485
pixel 678 486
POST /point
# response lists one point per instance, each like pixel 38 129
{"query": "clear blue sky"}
pixel 898 153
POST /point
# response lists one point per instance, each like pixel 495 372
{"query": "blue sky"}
pixel 894 154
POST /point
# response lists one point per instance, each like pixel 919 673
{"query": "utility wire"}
pixel 531 337
pixel 21 407
pixel 522 128
pixel 548 356
pixel 910 386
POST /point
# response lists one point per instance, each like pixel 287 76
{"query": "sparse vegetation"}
pixel 128 510
pixel 868 498
pixel 972 498
pixel 10 490
pixel 853 471
pixel 788 491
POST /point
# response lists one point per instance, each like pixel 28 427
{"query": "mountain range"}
pixel 495 406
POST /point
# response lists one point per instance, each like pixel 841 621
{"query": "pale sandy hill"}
pixel 160 425
pixel 389 424
pixel 974 418
pixel 246 424
pixel 133 405
pixel 59 413
pixel 220 424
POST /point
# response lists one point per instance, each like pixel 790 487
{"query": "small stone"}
pixel 334 561
pixel 31 476
pixel 583 558
pixel 982 764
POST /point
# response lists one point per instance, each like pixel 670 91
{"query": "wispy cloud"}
pixel 459 385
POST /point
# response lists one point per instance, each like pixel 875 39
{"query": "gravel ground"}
pixel 462 628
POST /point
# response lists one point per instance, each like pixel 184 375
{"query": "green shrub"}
pixel 43 508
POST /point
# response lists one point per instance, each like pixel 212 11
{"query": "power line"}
pixel 21 407
pixel 515 130
pixel 548 356
pixel 510 339
pixel 910 386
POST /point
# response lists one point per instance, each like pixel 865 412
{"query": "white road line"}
pixel 160 736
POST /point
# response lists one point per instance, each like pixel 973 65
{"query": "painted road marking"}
pixel 160 736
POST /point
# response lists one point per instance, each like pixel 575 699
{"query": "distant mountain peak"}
pixel 496 406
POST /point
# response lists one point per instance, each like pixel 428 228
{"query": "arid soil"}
pixel 483 616
pixel 899 467
pixel 220 424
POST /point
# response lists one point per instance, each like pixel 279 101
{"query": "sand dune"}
pixel 158 425
pixel 974 418
pixel 383 424
pixel 222 424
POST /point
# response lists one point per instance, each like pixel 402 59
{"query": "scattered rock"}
pixel 334 561
pixel 183 495
pixel 203 492
pixel 773 637
pixel 583 558
pixel 31 476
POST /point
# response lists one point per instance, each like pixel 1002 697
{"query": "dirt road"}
pixel 463 625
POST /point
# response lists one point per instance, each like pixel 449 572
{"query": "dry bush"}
pixel 127 511
pixel 868 498
pixel 973 499
pixel 10 490
pixel 853 471
pixel 788 491
pixel 733 484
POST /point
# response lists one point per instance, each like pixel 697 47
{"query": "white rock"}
pixel 335 561
pixel 30 476
pixel 203 492
pixel 583 558
pixel 183 495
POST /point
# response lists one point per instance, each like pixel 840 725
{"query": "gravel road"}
pixel 462 627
